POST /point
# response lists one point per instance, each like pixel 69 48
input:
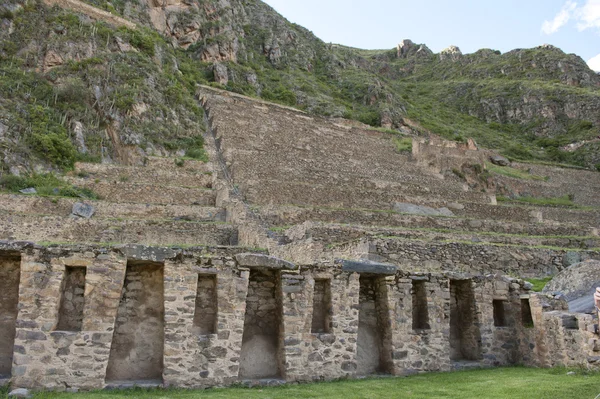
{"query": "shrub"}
pixel 55 147
pixel 45 184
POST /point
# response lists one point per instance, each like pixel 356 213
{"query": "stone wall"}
pixel 369 313
pixel 472 258
pixel 441 155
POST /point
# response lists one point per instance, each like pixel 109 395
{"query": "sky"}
pixel 572 25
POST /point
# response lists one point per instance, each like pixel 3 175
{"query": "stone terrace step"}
pixel 582 217
pixel 424 255
pixel 57 206
pixel 584 185
pixel 289 215
pixel 149 193
pixel 401 171
pixel 171 175
pixel 329 234
pixel 190 165
pixel 285 156
pixel 343 195
pixel 39 228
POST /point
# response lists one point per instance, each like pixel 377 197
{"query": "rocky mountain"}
pixel 76 87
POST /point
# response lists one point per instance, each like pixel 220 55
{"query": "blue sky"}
pixel 572 25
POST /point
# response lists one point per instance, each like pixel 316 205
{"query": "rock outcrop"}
pixel 577 284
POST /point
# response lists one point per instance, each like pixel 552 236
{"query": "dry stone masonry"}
pixel 305 250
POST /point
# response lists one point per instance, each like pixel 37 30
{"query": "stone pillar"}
pixel 55 359
pixel 323 356
pixel 296 317
pixel 192 360
pixel 417 350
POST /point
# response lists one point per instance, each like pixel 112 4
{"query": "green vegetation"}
pixel 513 172
pixel 150 98
pixel 46 185
pixel 501 383
pixel 150 91
pixel 565 201
pixel 539 283
pixel 403 144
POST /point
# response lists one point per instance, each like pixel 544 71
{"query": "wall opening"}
pixel 420 311
pixel 526 317
pixel 465 337
pixel 373 352
pixel 261 356
pixel 205 313
pixel 321 319
pixel 136 353
pixel 499 313
pixel 70 314
pixel 10 275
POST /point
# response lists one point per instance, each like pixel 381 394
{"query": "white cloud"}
pixel 587 17
pixel 561 19
pixel 594 63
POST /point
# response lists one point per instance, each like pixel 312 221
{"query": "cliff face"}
pixel 527 103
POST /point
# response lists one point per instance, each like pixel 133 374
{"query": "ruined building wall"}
pixel 144 309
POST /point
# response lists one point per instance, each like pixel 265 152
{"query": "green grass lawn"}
pixel 501 383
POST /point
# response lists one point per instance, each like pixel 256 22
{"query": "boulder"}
pixel 577 284
pixel 407 48
pixel 29 190
pixel 499 160
pixel 221 73
pixel 83 210
pixel 451 53
pixel 20 393
pixel 402 207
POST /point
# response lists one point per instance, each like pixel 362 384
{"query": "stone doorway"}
pixel 136 353
pixel 373 352
pixel 465 337
pixel 10 276
pixel 261 356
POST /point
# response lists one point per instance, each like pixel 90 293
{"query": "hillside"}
pixel 78 89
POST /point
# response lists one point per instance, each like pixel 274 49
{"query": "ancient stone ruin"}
pixel 284 259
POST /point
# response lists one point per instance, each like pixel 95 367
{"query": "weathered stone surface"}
pixel 83 210
pixel 402 207
pixel 451 53
pixel 577 284
pixel 499 160
pixel 220 73
pixel 29 190
pixel 20 393
pixel 368 267
pixel 157 254
pixel 265 261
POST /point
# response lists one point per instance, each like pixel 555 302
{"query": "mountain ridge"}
pixel 526 103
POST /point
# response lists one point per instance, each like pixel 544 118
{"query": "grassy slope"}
pixel 40 107
pixel 514 383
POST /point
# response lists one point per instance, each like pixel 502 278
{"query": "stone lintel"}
pixel 369 267
pixel 143 252
pixel 251 260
